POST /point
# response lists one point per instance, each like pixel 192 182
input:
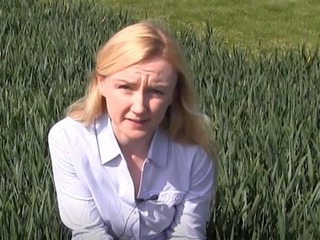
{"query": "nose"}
pixel 139 103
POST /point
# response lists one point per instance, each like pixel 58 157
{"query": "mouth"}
pixel 138 121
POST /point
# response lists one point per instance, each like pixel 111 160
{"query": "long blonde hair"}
pixel 141 41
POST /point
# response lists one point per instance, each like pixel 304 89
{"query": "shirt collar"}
pixel 158 151
pixel 108 145
pixel 110 149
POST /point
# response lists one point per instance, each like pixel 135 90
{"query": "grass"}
pixel 254 24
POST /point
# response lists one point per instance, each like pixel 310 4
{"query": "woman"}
pixel 132 159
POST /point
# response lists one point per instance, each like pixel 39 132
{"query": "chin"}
pixel 138 134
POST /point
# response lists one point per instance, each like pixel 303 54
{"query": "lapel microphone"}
pixel 138 200
pixel 153 197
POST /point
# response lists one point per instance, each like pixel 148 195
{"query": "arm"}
pixel 76 206
pixel 193 212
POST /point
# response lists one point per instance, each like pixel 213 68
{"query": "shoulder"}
pixel 66 130
pixel 67 124
pixel 191 155
pixel 195 159
pixel 191 165
pixel 192 151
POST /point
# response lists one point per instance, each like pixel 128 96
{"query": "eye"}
pixel 125 87
pixel 156 91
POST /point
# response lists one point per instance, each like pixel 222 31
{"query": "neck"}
pixel 136 148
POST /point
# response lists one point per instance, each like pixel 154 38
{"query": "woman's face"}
pixel 138 97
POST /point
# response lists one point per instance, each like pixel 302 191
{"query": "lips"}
pixel 138 121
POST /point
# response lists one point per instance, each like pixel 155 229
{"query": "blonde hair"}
pixel 141 41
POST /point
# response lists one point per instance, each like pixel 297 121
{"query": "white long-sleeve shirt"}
pixel 96 193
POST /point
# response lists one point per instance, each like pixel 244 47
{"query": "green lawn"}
pixel 255 24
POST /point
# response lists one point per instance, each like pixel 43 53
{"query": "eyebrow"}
pixel 126 82
pixel 119 80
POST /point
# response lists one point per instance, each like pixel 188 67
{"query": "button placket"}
pixel 144 178
pixel 126 185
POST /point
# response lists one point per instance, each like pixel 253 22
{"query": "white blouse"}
pixel 95 191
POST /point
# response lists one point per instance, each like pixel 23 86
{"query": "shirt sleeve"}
pixel 193 212
pixel 76 206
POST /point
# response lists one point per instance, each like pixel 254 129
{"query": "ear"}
pixel 101 84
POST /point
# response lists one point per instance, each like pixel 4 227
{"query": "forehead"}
pixel 155 69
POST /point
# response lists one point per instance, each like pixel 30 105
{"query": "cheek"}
pixel 116 103
pixel 159 106
pixel 112 103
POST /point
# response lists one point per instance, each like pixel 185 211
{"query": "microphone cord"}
pixel 138 201
pixel 98 146
pixel 125 225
